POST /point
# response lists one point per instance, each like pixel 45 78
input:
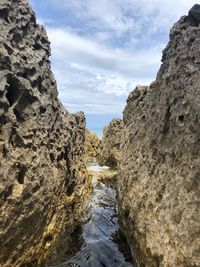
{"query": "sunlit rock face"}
pixel 110 145
pixel 159 177
pixel 92 146
pixel 43 178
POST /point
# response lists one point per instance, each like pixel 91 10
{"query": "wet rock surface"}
pixel 110 145
pixel 43 178
pixel 99 238
pixel 159 177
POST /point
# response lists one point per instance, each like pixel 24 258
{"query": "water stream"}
pixel 100 234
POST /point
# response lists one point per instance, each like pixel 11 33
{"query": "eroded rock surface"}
pixel 159 178
pixel 43 178
pixel 110 145
pixel 92 146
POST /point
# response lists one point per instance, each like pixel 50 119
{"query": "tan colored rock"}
pixel 43 180
pixel 92 146
pixel 159 177
pixel 110 145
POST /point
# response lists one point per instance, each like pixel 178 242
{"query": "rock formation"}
pixel 42 174
pixel 92 146
pixel 110 145
pixel 159 177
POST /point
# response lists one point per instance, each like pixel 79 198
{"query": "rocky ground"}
pixel 105 175
pixel 110 145
pixel 92 146
pixel 43 177
pixel 158 181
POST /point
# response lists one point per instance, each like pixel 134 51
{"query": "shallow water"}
pixel 99 233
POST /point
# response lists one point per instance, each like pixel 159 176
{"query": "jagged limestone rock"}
pixel 159 177
pixel 92 146
pixel 42 174
pixel 110 145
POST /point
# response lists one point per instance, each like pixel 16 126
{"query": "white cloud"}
pixel 70 47
pixel 81 88
pixel 108 48
pixel 118 85
pixel 159 15
pixel 91 90
pixel 128 15
pixel 96 78
pixel 92 102
pixel 101 13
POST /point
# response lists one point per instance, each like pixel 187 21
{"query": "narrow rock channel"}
pixel 101 244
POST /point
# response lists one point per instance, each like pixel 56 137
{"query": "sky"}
pixel 102 49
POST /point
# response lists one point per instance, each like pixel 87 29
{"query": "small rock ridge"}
pixel 110 145
pixel 92 146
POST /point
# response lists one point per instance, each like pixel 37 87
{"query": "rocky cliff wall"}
pixel 43 178
pixel 159 177
pixel 110 145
